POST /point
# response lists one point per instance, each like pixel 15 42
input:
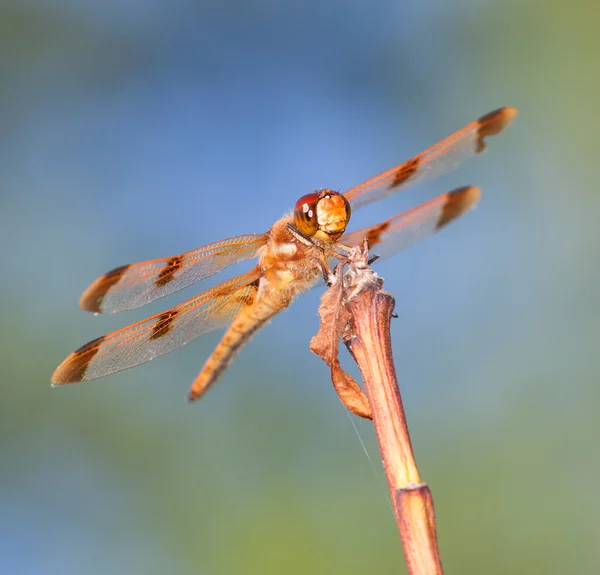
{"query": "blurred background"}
pixel 133 130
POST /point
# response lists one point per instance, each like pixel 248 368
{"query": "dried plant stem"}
pixel 412 501
pixel 357 309
pixel 371 348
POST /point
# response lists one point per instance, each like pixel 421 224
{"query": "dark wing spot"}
pixel 244 296
pixel 251 297
pixel 164 323
pixel 405 171
pixel 73 369
pixel 374 234
pixel 491 124
pixel 457 203
pixel 92 297
pixel 167 274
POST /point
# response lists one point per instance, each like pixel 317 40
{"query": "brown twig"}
pixel 357 310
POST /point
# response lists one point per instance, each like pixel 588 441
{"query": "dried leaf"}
pixel 335 322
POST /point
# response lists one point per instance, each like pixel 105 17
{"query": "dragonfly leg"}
pixel 306 240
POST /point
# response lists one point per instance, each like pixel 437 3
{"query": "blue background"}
pixel 132 130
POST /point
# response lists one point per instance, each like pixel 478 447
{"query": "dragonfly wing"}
pixel 404 230
pixel 161 333
pixel 134 285
pixel 440 158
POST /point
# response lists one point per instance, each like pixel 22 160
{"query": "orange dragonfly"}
pixel 292 256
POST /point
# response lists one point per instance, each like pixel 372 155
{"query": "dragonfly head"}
pixel 323 214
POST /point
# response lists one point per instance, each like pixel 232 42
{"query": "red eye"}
pixel 305 214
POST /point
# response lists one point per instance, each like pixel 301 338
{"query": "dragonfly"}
pixel 293 256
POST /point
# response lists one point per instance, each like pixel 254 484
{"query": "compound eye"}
pixel 305 214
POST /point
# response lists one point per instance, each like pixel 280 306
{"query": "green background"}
pixel 133 130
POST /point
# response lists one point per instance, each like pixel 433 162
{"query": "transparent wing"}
pixel 159 334
pixel 440 158
pixel 404 230
pixel 134 285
